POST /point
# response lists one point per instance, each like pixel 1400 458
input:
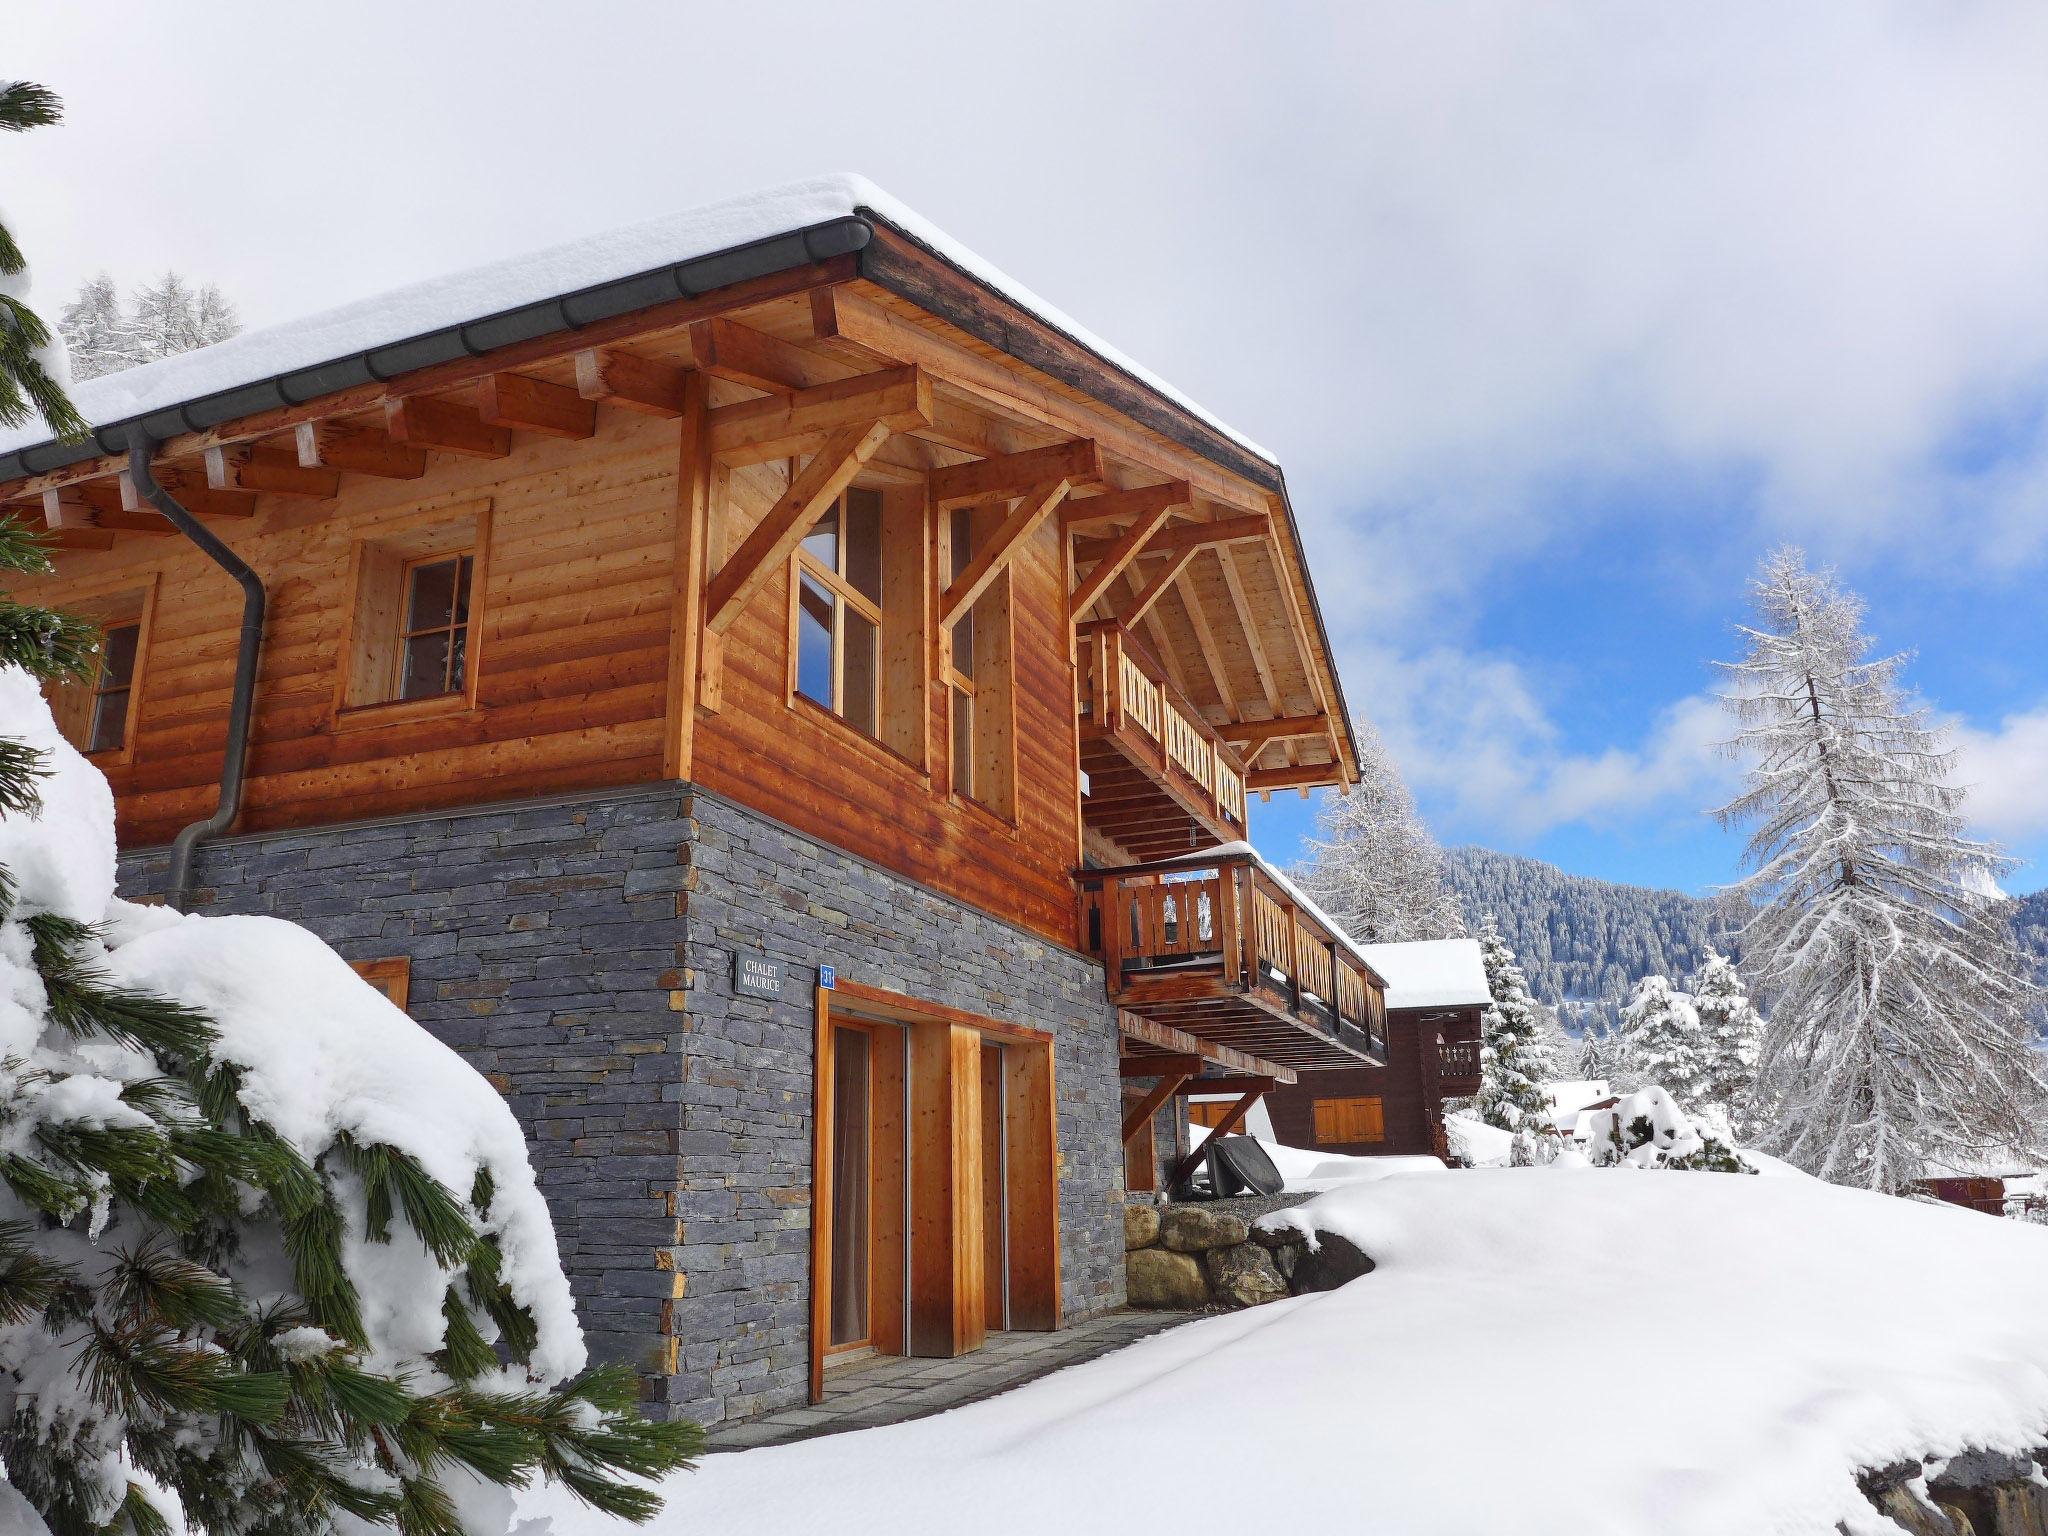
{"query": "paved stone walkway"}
pixel 891 1388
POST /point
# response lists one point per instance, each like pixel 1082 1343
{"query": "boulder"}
pixel 1155 1278
pixel 1141 1226
pixel 1911 1513
pixel 1334 1261
pixel 1279 1237
pixel 1244 1275
pixel 1196 1229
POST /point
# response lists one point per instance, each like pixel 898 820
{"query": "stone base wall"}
pixel 1211 1255
pixel 578 952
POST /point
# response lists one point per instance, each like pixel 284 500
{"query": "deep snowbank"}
pixel 1661 1354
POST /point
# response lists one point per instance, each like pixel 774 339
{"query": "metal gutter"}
pixel 248 653
pixel 473 338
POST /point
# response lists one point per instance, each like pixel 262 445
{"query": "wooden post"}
pixel 1230 925
pixel 821 1194
pixel 1224 1127
pixel 686 618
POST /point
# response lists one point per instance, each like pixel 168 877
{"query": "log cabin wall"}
pixel 1410 1115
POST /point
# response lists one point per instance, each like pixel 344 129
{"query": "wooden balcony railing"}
pixel 1457 1061
pixel 1127 697
pixel 1178 935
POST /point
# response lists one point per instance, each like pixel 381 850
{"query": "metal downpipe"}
pixel 141 449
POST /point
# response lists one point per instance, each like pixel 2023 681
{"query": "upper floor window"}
pixel 113 691
pixel 413 616
pixel 977 673
pixel 839 611
pixel 436 629
pixel 97 714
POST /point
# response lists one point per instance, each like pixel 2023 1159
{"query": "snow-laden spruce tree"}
pixel 1372 863
pixel 272 1259
pixel 1897 1010
pixel 1659 1041
pixel 33 373
pixel 1515 1055
pixel 1731 1037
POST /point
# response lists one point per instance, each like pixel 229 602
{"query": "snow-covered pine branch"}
pixel 1897 1001
pixel 1372 863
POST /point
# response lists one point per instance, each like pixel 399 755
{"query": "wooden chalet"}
pixel 751 685
pixel 1436 994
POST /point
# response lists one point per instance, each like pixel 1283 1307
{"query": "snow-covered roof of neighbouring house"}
pixel 465 298
pixel 1431 973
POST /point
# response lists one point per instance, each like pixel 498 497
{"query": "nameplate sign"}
pixel 755 975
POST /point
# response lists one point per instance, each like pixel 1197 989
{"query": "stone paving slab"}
pixel 892 1390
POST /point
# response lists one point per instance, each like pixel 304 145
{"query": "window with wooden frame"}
pixel 413 617
pixel 392 977
pixel 97 715
pixel 856 623
pixel 977 674
pixel 1350 1120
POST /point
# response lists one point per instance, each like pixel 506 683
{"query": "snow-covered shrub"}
pixel 272 1259
pixel 1647 1129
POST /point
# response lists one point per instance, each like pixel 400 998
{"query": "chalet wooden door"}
pixel 852 1185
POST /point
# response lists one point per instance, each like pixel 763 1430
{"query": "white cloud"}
pixel 2007 770
pixel 1486 756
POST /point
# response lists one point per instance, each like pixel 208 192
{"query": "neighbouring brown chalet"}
pixel 751 685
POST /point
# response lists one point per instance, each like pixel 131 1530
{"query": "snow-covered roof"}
pixel 1431 973
pixel 465 298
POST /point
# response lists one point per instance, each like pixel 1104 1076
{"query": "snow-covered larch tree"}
pixel 33 370
pixel 171 316
pixel 1897 1006
pixel 1515 1056
pixel 273 1261
pixel 98 333
pixel 1372 863
pixel 1731 1036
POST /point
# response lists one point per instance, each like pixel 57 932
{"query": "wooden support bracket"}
pixel 534 405
pixel 425 422
pixel 1004 475
pixel 357 450
pixel 1025 519
pixel 829 472
pixel 1230 1122
pixel 725 349
pixel 1155 589
pixel 1120 555
pixel 634 383
pixel 1142 1112
pixel 268 469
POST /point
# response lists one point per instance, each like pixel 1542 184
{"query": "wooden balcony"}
pixel 1160 779
pixel 1457 1068
pixel 1220 949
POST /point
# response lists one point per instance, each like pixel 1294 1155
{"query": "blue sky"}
pixel 1558 316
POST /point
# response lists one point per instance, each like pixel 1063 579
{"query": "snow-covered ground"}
pixel 1761 1339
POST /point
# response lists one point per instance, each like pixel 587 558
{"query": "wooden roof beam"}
pixel 1153 590
pixel 1191 536
pixel 527 404
pixel 72 510
pixel 1125 506
pixel 1118 556
pixel 1002 476
pixel 199 500
pixel 1025 519
pixel 1233 582
pixel 356 450
pixel 726 349
pixel 610 376
pixel 268 470
pixel 776 537
pixel 785 426
pixel 1302 776
pixel 1256 733
pixel 424 422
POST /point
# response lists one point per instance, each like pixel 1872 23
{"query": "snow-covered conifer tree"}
pixel 1897 1010
pixel 33 370
pixel 98 334
pixel 1731 1035
pixel 1659 1041
pixel 1373 864
pixel 1515 1059
pixel 213 317
pixel 273 1261
pixel 166 317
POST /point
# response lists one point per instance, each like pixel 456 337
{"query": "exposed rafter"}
pixel 199 499
pixel 74 510
pixel 770 545
pixel 1223 531
pixel 424 422
pixel 786 426
pixel 1256 733
pixel 1002 476
pixel 517 400
pixel 1125 506
pixel 357 450
pixel 725 349
pixel 1025 519
pixel 1162 577
pixel 610 376
pixel 270 470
